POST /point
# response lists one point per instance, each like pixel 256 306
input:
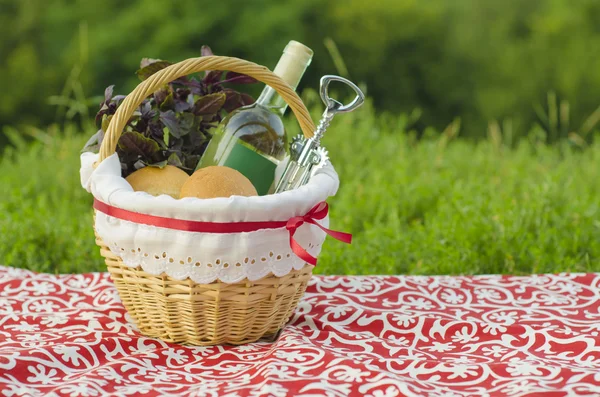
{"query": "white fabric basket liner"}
pixel 206 257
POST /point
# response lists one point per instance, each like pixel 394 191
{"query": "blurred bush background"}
pixel 523 65
pixel 474 154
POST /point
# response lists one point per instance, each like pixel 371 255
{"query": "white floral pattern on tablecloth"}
pixel 351 336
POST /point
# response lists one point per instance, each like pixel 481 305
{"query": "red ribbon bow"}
pixel 318 212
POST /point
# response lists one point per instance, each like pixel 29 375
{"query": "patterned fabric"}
pixel 351 336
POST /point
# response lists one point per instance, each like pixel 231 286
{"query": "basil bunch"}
pixel 173 125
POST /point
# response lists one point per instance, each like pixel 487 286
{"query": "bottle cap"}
pixel 299 50
pixel 293 63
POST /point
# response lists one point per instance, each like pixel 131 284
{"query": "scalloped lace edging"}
pixel 228 269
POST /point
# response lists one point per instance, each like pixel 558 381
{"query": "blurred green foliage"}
pixel 482 61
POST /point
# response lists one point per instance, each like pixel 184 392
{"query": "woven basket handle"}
pixel 194 65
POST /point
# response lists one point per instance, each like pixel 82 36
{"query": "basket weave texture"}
pixel 206 314
pixel 183 311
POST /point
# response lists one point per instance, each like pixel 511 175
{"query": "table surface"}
pixel 351 336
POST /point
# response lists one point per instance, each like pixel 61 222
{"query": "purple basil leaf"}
pixel 209 104
pixel 127 157
pixel 183 100
pixel 183 80
pixel 118 99
pixel 146 110
pixel 215 88
pixel 160 96
pixel 238 78
pixel 108 107
pixel 104 105
pixel 140 126
pixel 112 108
pixel 233 100
pixel 247 99
pixel 155 128
pixel 100 115
pixel 212 77
pixel 182 93
pixel 108 93
pixel 200 89
pixel 196 87
pixel 151 68
pixel 182 106
pixel 133 143
pixel 93 144
pixel 142 117
pixel 205 51
pixel 177 126
pixel 169 119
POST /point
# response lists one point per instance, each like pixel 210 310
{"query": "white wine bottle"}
pixel 252 139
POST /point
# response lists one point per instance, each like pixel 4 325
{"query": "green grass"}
pixel 45 215
pixel 430 206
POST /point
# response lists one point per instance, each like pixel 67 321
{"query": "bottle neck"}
pixel 271 99
pixel 291 67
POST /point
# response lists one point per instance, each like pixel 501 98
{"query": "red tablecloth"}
pixel 351 336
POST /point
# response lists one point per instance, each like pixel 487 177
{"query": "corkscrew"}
pixel 307 154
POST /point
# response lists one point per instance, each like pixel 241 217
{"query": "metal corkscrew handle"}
pixel 308 153
pixel 332 106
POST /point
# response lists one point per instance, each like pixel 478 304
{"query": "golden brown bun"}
pixel 217 181
pixel 157 181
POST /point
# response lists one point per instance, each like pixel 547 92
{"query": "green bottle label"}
pixel 260 170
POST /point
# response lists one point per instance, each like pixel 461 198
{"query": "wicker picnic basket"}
pixel 183 311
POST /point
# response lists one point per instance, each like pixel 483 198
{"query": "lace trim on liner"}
pixel 225 270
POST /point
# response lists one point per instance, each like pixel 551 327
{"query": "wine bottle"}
pixel 252 139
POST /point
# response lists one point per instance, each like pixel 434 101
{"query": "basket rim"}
pixel 108 186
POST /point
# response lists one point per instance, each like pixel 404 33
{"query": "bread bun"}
pixel 217 181
pixel 157 181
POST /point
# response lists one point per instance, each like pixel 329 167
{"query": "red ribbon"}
pixel 316 213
